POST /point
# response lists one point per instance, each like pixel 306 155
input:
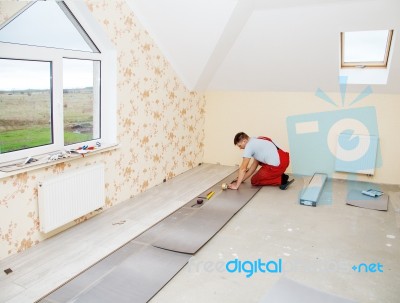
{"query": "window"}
pixel 49 24
pixel 25 104
pixel 365 48
pixel 81 100
pixel 53 78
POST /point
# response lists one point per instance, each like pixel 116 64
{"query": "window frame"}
pixel 363 64
pixel 107 58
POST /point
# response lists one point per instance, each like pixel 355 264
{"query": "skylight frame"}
pixel 366 64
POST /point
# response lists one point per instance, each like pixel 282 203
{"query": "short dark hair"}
pixel 239 137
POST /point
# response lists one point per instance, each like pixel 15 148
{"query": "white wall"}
pixel 265 114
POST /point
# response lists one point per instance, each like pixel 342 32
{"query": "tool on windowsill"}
pixel 29 160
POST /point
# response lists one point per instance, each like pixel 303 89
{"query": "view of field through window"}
pixel 25 104
pixel 26 116
pixel 81 100
pixel 78 115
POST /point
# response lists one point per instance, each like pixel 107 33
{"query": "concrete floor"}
pixel 318 247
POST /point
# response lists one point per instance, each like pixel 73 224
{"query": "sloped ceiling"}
pixel 265 45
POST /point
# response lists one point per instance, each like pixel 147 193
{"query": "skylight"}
pixel 365 48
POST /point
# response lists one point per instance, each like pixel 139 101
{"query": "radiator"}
pixel 69 196
pixel 356 153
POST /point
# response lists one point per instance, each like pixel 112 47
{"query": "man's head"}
pixel 241 140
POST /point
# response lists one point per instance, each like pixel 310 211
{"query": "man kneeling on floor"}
pixel 272 159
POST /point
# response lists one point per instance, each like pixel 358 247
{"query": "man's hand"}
pixel 233 185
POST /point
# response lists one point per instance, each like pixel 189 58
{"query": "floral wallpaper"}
pixel 160 130
pixel 9 8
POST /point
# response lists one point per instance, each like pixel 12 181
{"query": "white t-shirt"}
pixel 263 151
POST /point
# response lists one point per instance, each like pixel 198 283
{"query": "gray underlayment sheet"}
pixel 189 228
pixel 356 198
pixel 133 273
pixel 289 291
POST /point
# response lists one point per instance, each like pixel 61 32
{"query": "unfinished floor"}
pixel 318 246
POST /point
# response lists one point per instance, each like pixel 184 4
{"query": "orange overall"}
pixel 268 174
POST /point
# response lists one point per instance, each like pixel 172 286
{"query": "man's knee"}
pixel 252 180
pixel 255 180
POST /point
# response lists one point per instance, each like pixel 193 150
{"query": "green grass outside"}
pixel 70 138
pixel 14 140
pixel 24 138
pixel 24 119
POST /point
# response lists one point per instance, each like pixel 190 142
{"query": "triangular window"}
pixel 47 24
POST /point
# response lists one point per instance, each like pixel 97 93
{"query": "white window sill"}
pixel 18 167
